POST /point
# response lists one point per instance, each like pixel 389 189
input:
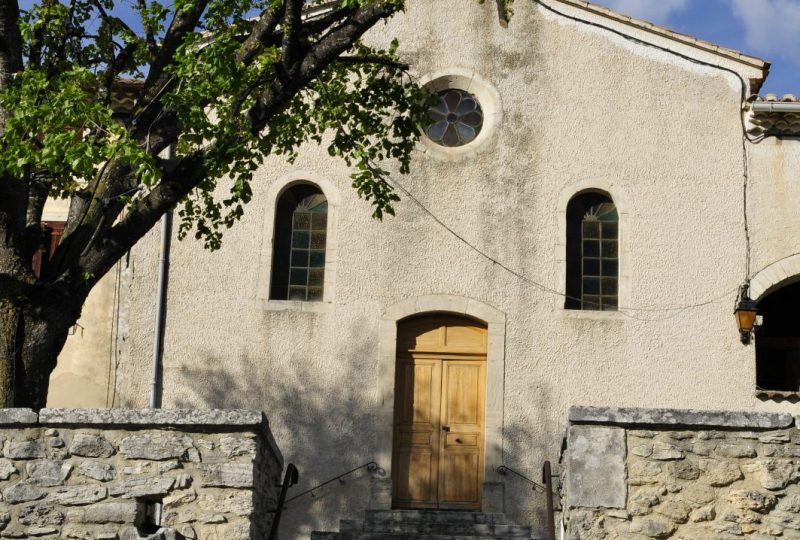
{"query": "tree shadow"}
pixel 321 415
pixel 322 410
pixel 529 440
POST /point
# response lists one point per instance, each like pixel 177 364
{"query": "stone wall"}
pixel 636 474
pixel 108 474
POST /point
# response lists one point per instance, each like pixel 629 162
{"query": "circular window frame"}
pixel 489 99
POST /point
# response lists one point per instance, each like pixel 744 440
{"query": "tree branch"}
pixel 150 38
pixel 13 191
pixel 290 45
pixel 373 59
pixel 158 81
pixel 142 216
pixel 502 13
pixel 264 27
pixel 340 39
pixel 10 44
pixel 190 171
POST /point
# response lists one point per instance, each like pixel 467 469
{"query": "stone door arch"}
pixel 495 321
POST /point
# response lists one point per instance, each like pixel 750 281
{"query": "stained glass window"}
pixel 592 253
pixel 456 119
pixel 301 224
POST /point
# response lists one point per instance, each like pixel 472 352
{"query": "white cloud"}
pixel 771 27
pixel 657 11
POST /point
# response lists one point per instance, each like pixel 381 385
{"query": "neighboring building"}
pixel 576 227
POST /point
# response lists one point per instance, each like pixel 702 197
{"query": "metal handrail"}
pixel 547 478
pixel 536 486
pixel 371 466
pixel 289 479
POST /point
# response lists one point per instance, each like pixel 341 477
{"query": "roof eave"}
pixel 706 46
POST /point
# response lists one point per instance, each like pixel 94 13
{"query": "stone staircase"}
pixel 426 525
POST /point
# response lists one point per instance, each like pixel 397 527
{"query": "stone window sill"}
pixel 591 314
pixel 297 306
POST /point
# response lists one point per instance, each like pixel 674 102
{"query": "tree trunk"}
pixel 44 325
pixel 9 318
pixel 32 334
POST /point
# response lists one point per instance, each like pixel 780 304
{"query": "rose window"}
pixel 456 120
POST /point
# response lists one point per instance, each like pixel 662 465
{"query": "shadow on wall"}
pixel 528 443
pixel 321 409
pixel 321 417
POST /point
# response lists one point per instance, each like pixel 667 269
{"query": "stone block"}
pixel 749 499
pixel 677 511
pixel 143 487
pixel 233 475
pixel 625 416
pixel 684 470
pixel 90 446
pixel 48 473
pixel 734 449
pixel 720 473
pixel 97 470
pixel 7 468
pixel 111 512
pixel 697 494
pixel 653 526
pixel 25 449
pixel 237 446
pixel 775 474
pixel 13 417
pixel 23 492
pixel 40 515
pixel 596 467
pixel 644 472
pixel 156 446
pixel 774 438
pixel 239 503
pixel 153 417
pixel 666 452
pixel 41 499
pixel 78 495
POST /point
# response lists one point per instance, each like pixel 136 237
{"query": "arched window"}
pixel 778 341
pixel 298 253
pixel 592 253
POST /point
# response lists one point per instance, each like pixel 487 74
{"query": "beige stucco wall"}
pixel 577 107
pixel 81 377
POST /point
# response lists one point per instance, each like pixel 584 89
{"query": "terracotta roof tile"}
pixel 774 123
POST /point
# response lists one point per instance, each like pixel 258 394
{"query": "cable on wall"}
pixel 672 310
pixel 743 100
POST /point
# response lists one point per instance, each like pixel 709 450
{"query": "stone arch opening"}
pixel 495 322
pixel 778 340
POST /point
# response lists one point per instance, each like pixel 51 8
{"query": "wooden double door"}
pixel 440 381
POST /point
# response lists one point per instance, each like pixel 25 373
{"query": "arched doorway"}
pixel 778 340
pixel 440 396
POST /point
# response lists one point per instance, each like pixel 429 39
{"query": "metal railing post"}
pixel 289 479
pixel 547 478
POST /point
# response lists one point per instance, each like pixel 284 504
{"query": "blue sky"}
pixel 768 29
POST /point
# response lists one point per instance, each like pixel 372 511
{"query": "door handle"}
pixel 446 429
pixel 458 441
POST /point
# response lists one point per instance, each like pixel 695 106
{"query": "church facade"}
pixel 590 197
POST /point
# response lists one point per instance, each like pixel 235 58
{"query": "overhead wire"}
pixel 743 86
pixel 672 311
pixel 622 309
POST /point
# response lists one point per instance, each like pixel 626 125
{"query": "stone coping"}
pixel 199 419
pixel 10 417
pixel 680 417
pixel 234 418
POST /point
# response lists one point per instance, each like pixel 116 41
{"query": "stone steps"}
pixel 426 525
pixel 400 536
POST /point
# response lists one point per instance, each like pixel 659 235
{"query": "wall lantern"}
pixel 745 314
